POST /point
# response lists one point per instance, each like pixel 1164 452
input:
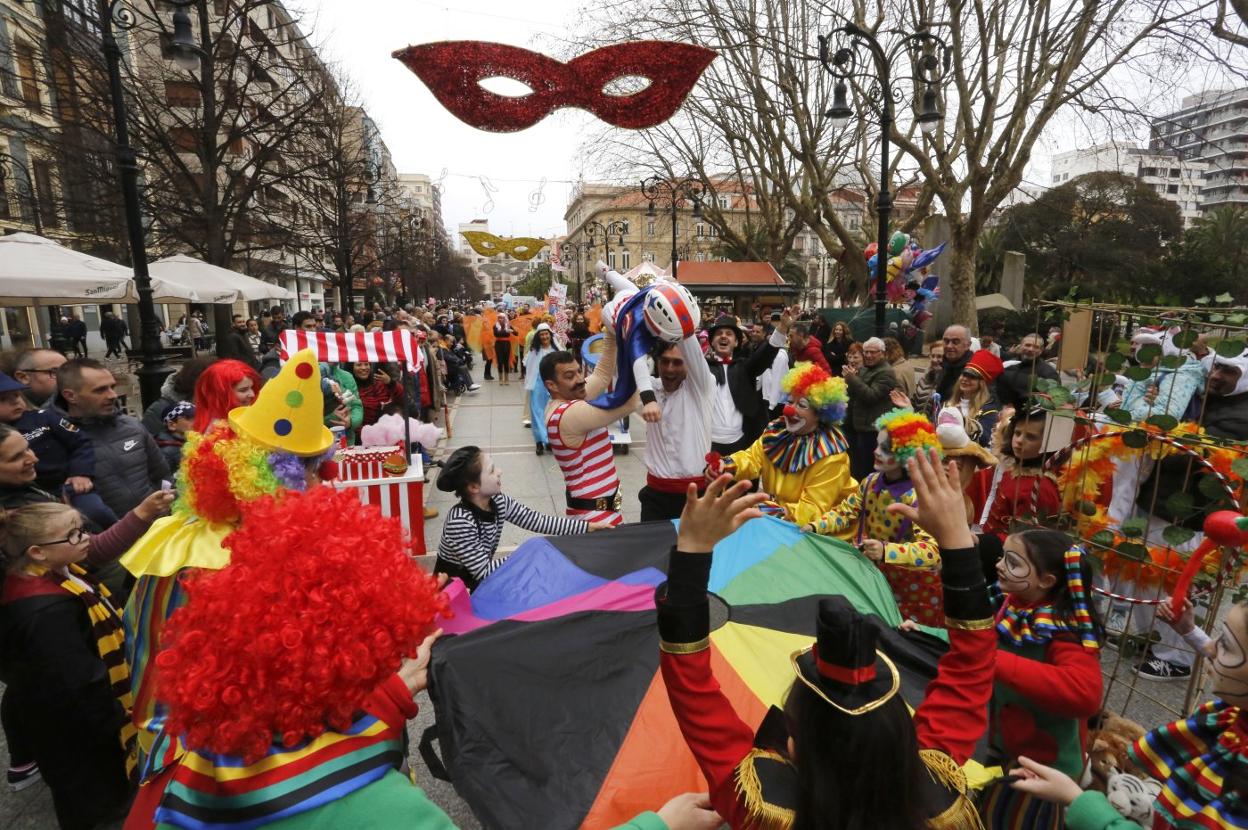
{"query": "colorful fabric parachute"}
pixel 550 708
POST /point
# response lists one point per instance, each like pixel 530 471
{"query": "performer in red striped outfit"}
pixel 578 433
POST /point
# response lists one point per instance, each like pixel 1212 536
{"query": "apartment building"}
pixel 1173 177
pixel 1211 128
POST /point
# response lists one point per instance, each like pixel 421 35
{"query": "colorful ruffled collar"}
pixel 1019 624
pixel 791 453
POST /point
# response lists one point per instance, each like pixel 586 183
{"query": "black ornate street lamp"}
pixel 188 55
pixel 672 193
pixel 575 250
pixel 594 229
pixel 930 60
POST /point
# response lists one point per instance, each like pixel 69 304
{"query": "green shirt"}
pixel 1092 811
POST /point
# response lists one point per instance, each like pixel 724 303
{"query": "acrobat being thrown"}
pixel 640 317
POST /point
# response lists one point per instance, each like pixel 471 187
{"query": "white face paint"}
pixel 1228 670
pixel 885 461
pixel 491 478
pixel 802 418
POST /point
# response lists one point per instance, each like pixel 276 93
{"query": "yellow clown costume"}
pixel 804 474
pixel 911 557
pixel 264 449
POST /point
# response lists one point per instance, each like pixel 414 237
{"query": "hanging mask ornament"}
pixel 453 71
pixel 522 248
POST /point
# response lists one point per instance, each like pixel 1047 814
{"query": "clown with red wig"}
pixel 907 554
pixel 289 675
pixel 275 445
pixel 800 459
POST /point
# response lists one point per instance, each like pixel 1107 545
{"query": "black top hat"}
pixel 844 667
pixel 726 322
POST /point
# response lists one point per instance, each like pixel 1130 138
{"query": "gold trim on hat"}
pixel 869 706
pixel 685 648
pixel 970 625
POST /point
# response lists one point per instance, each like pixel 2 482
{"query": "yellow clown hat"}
pixel 288 414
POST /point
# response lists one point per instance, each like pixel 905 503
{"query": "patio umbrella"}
pixel 35 270
pixel 181 275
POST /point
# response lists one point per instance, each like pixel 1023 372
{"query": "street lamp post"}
pixel 187 55
pixel 672 192
pixel 930 60
pixel 593 228
pixel 576 249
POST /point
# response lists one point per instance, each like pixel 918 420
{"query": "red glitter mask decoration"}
pixel 522 248
pixel 453 71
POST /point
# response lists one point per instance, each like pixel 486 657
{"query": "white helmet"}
pixel 671 312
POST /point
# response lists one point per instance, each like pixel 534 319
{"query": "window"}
pixel 1174 172
pixel 799 243
pixel 625 259
pixel 184 138
pixel 724 201
pixel 647 256
pixel 611 260
pixel 28 75
pixel 853 223
pixel 1172 188
pixel 42 171
pixel 700 256
pixel 700 229
pixel 182 93
pixel 650 228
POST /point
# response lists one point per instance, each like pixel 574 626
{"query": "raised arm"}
pixel 526 517
pixel 603 376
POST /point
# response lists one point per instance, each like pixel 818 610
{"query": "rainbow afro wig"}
pixel 826 395
pixel 317 609
pixel 908 433
pixel 221 471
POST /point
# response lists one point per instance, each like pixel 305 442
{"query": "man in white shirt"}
pixel 677 443
pixel 769 381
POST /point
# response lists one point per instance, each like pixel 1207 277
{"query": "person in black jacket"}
pixel 114 331
pixel 1018 382
pixel 957 354
pixel 234 344
pixel 740 413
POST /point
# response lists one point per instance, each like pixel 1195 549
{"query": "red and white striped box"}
pixel 398 496
pixel 363 463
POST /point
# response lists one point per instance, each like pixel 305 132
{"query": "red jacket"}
pixel 811 353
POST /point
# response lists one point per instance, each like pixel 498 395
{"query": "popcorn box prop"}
pixel 401 497
pixel 363 463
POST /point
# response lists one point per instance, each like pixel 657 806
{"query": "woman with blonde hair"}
pixel 973 396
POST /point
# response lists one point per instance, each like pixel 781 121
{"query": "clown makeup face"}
pixel 1017 574
pixel 491 482
pixel 1228 670
pixel 885 461
pixel 800 418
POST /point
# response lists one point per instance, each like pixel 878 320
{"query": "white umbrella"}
pixel 181 275
pixel 36 270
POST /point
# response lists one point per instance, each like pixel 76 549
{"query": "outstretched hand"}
pixel 899 398
pixel 939 505
pixel 415 670
pixel 1045 782
pixel 710 517
pixel 690 811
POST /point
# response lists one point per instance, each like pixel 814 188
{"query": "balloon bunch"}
pixel 907 271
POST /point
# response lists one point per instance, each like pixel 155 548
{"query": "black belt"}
pixel 611 502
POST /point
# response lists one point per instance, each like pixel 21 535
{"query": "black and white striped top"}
pixel 470 535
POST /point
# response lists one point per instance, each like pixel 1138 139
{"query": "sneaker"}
pixel 431 512
pixel 22 777
pixel 474 387
pixel 1157 669
pixel 526 423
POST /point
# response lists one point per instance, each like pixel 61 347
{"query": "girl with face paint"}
pixel 908 556
pixel 1048 676
pixel 473 527
pixel 1202 761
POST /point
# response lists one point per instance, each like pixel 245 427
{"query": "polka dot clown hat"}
pixel 287 414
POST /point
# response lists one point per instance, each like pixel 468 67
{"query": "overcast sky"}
pixel 498 176
pixel 424 138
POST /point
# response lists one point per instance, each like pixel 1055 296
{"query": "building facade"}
pixel 1211 128
pixel 1176 179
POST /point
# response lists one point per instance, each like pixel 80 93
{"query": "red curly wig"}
pixel 318 606
pixel 214 391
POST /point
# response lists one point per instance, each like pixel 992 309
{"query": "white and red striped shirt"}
pixel 588 470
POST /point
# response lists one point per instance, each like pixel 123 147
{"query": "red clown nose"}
pixel 790 411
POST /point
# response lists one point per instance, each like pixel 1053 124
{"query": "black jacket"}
pixel 1018 382
pixel 742 379
pixel 129 466
pixel 949 375
pixel 63 449
pixel 233 344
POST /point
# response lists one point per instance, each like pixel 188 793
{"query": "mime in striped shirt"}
pixel 473 527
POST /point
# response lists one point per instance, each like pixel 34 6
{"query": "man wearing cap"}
pixel 738 412
pixel 578 432
pixel 1224 414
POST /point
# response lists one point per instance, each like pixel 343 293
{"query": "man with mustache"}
pixel 578 432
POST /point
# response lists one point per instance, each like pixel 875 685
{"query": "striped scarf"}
pixel 791 453
pixel 1193 758
pixel 1037 625
pixel 110 642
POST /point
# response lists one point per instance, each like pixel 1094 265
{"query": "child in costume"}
pixel 293 712
pixel 276 444
pixel 473 527
pixel 845 752
pixel 67 695
pixel 1048 675
pixel 1022 488
pixel 801 459
pixel 906 554
pixel 1202 761
pixel 536 397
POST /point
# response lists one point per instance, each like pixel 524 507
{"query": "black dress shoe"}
pixel 540 448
